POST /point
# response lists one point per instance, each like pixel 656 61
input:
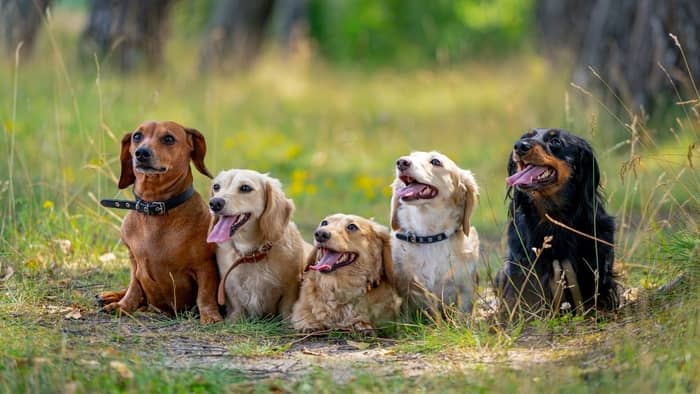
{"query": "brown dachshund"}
pixel 172 266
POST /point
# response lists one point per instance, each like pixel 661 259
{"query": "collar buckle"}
pixel 151 208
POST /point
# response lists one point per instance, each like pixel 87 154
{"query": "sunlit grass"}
pixel 332 137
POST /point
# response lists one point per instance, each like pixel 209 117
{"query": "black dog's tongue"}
pixel 526 175
pixel 326 263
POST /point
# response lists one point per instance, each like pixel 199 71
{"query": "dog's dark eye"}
pixel 168 139
pixel 324 223
pixel 216 187
pixel 436 163
pixel 136 137
pixel 352 227
pixel 555 142
pixel 245 189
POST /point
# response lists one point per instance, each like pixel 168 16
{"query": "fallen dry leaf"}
pixel 122 369
pixel 89 363
pixel 358 345
pixel 6 272
pixel 73 314
pixel 107 257
pixel 66 246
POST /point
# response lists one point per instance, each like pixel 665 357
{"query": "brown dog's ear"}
pixel 199 150
pixel 387 261
pixel 468 186
pixel 277 213
pixel 127 176
pixel 310 259
pixel 394 220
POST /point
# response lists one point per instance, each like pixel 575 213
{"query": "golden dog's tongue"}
pixel 327 262
pixel 222 229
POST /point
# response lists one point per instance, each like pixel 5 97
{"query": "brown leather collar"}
pixel 252 257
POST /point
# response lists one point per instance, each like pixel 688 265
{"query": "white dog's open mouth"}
pixel 328 260
pixel 414 190
pixel 226 226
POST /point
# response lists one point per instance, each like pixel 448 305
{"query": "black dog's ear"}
pixel 587 173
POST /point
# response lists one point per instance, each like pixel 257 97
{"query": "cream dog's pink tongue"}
pixel 327 261
pixel 526 175
pixel 221 230
pixel 415 191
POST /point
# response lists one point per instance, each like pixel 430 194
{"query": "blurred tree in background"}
pixel 237 29
pixel 131 32
pixel 20 21
pixel 625 41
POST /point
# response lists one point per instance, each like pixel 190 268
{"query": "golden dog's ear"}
pixel 127 176
pixel 394 220
pixel 277 213
pixel 384 237
pixel 199 150
pixel 310 259
pixel 470 190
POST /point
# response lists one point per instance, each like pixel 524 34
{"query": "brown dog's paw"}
pixel 109 297
pixel 210 317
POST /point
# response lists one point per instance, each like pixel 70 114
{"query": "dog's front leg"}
pixel 207 284
pixel 134 296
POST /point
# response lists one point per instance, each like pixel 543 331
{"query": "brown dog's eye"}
pixel 245 189
pixel 555 142
pixel 168 139
pixel 216 187
pixel 436 163
pixel 324 223
pixel 352 227
pixel 137 136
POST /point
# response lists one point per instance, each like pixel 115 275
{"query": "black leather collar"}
pixel 418 239
pixel 150 207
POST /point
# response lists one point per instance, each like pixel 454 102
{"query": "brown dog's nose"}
pixel 403 164
pixel 217 204
pixel 143 154
pixel 322 235
pixel 522 147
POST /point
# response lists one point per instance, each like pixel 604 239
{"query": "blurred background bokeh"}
pixel 326 94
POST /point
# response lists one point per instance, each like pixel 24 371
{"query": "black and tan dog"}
pixel 560 238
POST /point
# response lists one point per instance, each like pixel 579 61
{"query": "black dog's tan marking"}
pixel 554 173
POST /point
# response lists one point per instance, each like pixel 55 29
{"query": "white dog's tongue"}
pixel 413 191
pixel 327 261
pixel 525 176
pixel 222 229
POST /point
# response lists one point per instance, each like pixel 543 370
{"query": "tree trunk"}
pixel 19 22
pixel 625 41
pixel 126 33
pixel 237 30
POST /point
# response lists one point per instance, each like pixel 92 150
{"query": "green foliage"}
pixel 412 32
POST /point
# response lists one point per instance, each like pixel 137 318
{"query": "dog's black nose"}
pixel 217 204
pixel 522 147
pixel 403 164
pixel 322 235
pixel 143 154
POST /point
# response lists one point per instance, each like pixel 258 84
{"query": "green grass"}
pixel 332 137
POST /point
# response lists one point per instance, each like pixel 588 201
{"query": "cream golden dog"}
pixel 260 252
pixel 348 283
pixel 434 248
